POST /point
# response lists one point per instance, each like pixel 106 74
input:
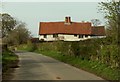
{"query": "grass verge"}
pixel 9 60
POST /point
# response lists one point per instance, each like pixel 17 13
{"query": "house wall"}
pixel 49 38
pixel 64 37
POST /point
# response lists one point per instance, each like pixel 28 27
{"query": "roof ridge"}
pixel 64 22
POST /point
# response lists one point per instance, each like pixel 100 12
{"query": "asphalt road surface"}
pixel 33 66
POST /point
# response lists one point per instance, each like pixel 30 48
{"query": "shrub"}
pixel 75 49
pixel 31 46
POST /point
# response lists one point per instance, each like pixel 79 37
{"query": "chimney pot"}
pixel 67 20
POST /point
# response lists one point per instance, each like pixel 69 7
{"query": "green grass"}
pixel 95 67
pixel 0 57
pixel 9 59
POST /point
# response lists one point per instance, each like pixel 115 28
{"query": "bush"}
pixel 31 46
pixel 76 49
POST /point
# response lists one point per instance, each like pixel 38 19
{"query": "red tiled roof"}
pixel 98 30
pixel 73 28
pixel 62 28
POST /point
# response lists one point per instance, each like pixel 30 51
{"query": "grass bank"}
pixel 9 60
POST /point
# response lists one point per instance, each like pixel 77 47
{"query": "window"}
pixel 55 35
pixel 80 36
pixel 75 35
pixel 86 36
pixel 45 36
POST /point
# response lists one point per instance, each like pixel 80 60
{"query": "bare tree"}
pixel 95 22
pixel 20 34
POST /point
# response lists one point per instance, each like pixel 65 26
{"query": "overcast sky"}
pixel 34 12
pixel 53 0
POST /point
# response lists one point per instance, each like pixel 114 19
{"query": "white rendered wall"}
pixel 64 37
pixel 48 38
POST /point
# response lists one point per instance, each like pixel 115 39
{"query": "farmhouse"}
pixel 69 31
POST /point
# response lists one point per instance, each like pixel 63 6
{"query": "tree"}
pixel 13 31
pixel 95 22
pixel 112 14
pixel 8 24
pixel 18 35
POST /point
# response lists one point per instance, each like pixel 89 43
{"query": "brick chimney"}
pixel 67 20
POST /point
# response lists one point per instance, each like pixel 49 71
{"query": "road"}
pixel 33 66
